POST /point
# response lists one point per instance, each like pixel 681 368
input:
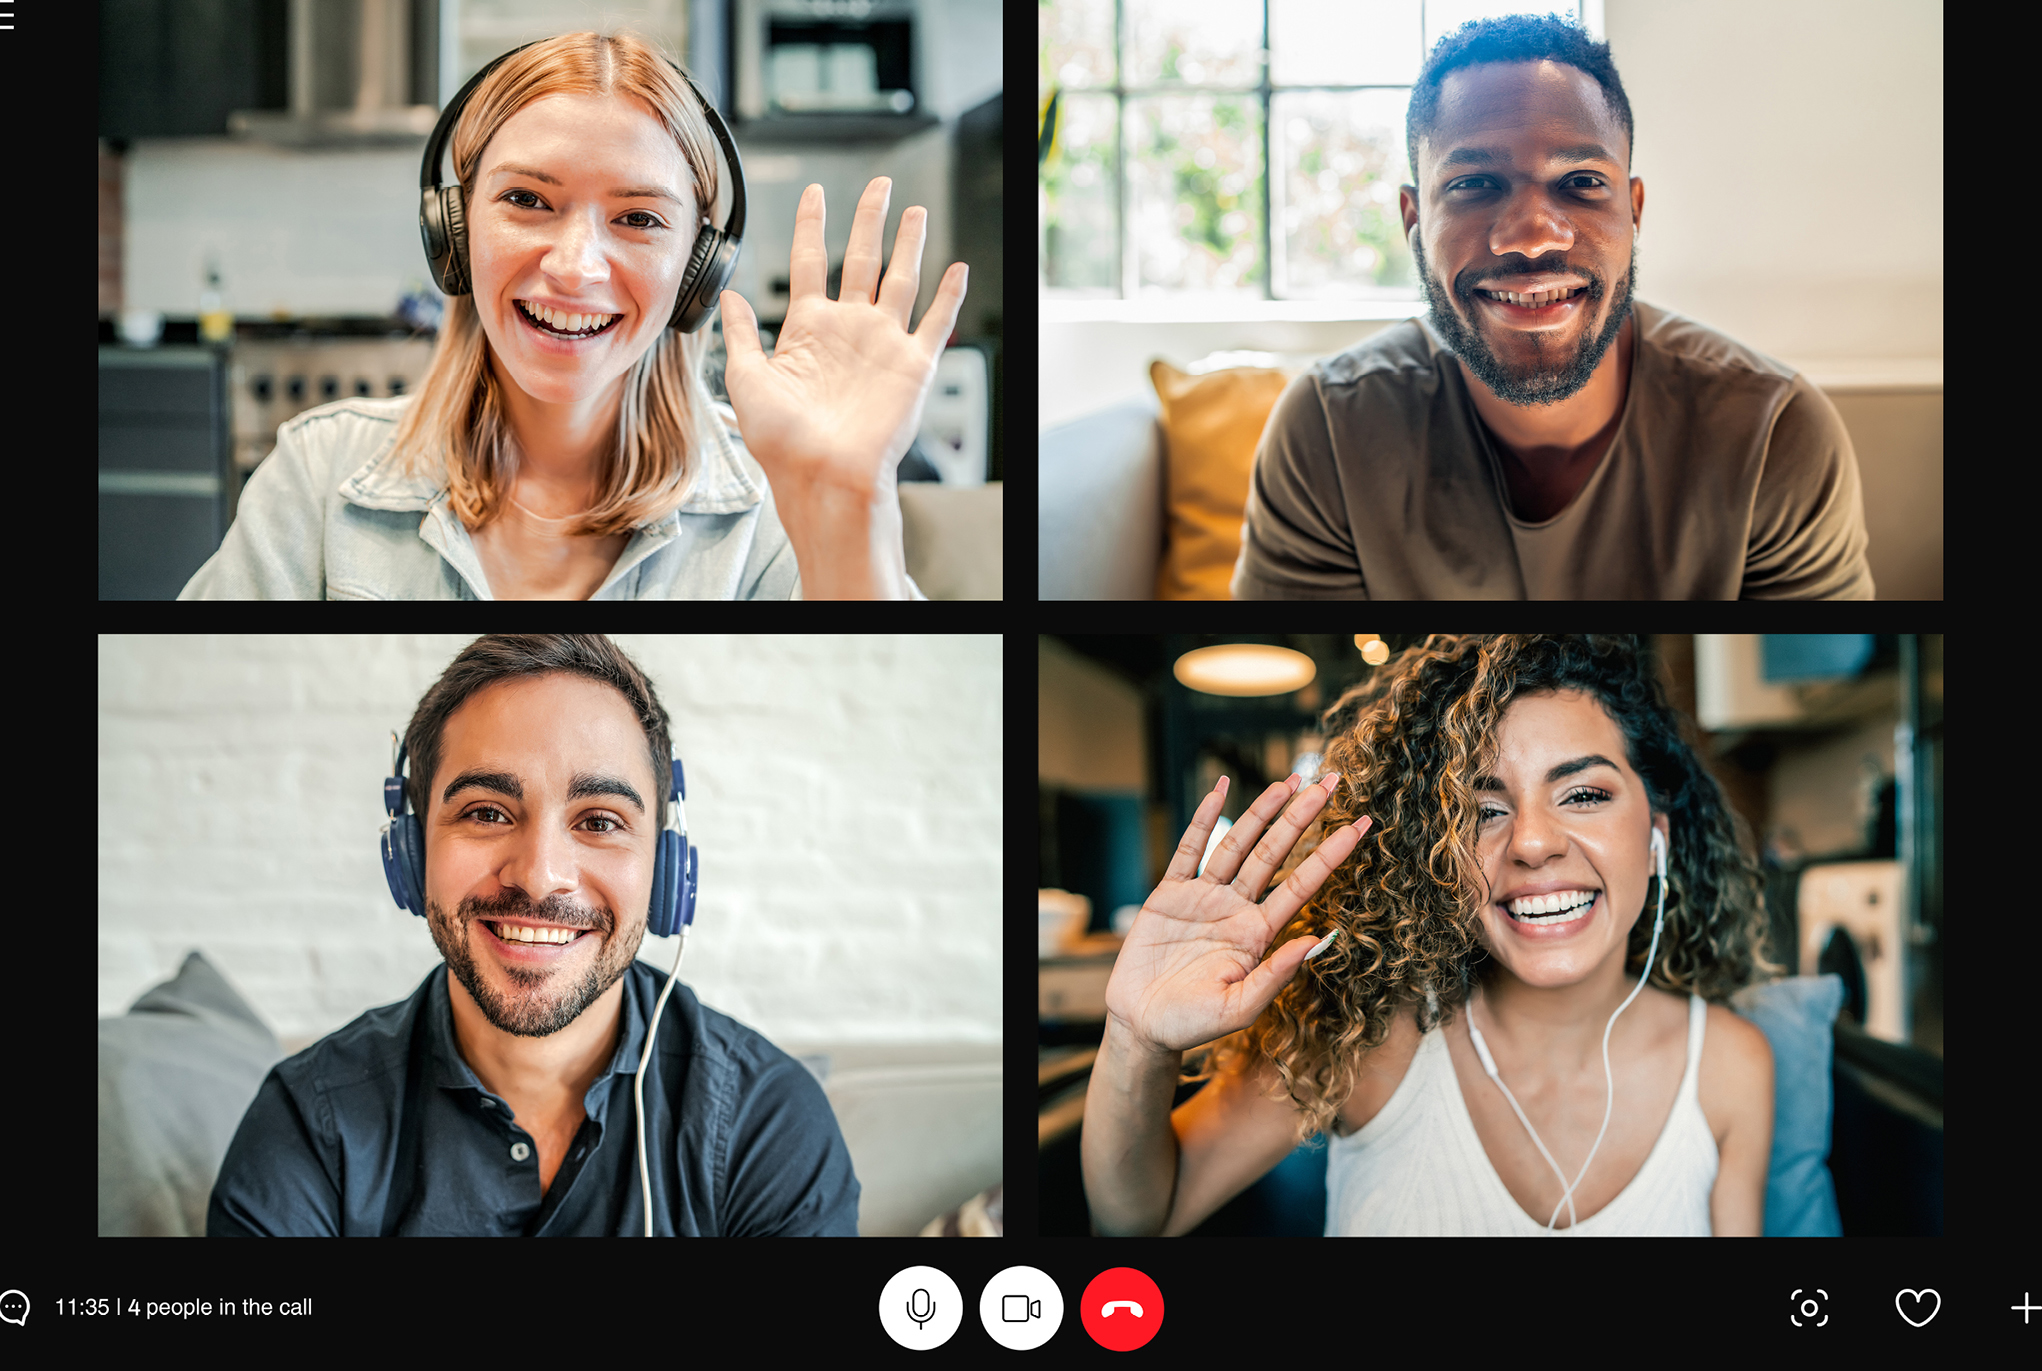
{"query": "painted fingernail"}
pixel 1330 780
pixel 1221 788
pixel 1322 944
pixel 1293 782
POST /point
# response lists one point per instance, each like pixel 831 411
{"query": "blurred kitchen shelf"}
pixel 184 329
pixel 833 128
pixel 1089 947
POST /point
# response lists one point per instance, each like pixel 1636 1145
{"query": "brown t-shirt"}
pixel 1730 477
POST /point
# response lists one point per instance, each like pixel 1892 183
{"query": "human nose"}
pixel 1535 836
pixel 543 861
pixel 576 253
pixel 1531 226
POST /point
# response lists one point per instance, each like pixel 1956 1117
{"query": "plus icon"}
pixel 2027 1306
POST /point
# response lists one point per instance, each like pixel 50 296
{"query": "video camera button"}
pixel 1021 1308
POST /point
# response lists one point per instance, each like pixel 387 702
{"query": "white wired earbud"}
pixel 1609 1081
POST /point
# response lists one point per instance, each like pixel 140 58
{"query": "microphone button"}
pixel 920 1308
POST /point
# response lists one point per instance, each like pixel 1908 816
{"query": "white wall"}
pixel 1791 152
pixel 1792 155
pixel 844 791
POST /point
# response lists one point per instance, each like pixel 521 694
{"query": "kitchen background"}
pixel 259 251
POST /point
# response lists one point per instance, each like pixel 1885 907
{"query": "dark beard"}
pixel 1559 375
pixel 539 1001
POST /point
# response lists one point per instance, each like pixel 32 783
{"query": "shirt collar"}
pixel 451 1069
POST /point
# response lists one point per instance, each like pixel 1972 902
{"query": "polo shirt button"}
pixel 519 1152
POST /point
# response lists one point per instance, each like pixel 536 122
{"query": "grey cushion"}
pixel 1798 1017
pixel 1099 526
pixel 176 1073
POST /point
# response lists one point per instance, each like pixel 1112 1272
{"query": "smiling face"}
pixel 1554 824
pixel 554 233
pixel 509 839
pixel 1524 178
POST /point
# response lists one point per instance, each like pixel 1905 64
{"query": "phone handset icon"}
pixel 1128 1305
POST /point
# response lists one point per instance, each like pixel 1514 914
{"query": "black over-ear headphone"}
pixel 443 216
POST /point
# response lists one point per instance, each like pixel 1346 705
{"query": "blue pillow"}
pixel 1798 1017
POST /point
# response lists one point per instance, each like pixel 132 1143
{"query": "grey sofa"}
pixel 1099 533
pixel 1100 523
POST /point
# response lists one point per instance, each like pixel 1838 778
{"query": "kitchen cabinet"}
pixel 164 463
pixel 175 68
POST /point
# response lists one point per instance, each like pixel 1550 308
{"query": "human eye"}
pixel 1586 794
pixel 1472 180
pixel 655 224
pixel 615 825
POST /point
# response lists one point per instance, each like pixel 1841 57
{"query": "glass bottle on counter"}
pixel 216 325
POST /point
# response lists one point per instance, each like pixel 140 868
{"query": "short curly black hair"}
pixel 1512 38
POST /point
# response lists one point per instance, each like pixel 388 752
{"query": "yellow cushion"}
pixel 1211 425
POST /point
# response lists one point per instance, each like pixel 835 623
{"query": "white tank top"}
pixel 1417 1169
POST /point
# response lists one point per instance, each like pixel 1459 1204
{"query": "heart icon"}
pixel 1902 1303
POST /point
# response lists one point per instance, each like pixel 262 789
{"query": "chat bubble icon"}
pixel 14 1307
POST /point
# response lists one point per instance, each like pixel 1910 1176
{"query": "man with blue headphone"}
pixel 532 1085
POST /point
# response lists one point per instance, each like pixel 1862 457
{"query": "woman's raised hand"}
pixel 838 402
pixel 1191 969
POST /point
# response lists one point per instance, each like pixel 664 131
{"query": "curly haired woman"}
pixel 1512 788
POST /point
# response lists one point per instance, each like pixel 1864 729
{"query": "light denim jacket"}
pixel 327 516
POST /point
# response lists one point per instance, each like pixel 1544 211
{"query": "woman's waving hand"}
pixel 830 414
pixel 1191 969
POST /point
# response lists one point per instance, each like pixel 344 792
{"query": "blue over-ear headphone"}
pixel 675 879
pixel 443 216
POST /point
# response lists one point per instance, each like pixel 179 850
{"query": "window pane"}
pixel 1075 43
pixel 1194 192
pixel 1339 159
pixel 1344 42
pixel 1080 247
pixel 1204 42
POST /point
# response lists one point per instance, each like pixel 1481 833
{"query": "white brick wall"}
pixel 845 792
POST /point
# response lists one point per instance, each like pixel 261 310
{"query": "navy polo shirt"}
pixel 382 1128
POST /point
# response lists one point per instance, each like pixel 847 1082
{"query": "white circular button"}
pixel 920 1308
pixel 1021 1308
pixel 519 1152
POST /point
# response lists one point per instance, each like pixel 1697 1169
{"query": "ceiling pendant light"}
pixel 1245 669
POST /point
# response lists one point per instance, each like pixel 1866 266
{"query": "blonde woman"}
pixel 562 444
pixel 1493 815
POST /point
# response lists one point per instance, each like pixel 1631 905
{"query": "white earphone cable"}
pixel 638 1085
pixel 1609 1081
